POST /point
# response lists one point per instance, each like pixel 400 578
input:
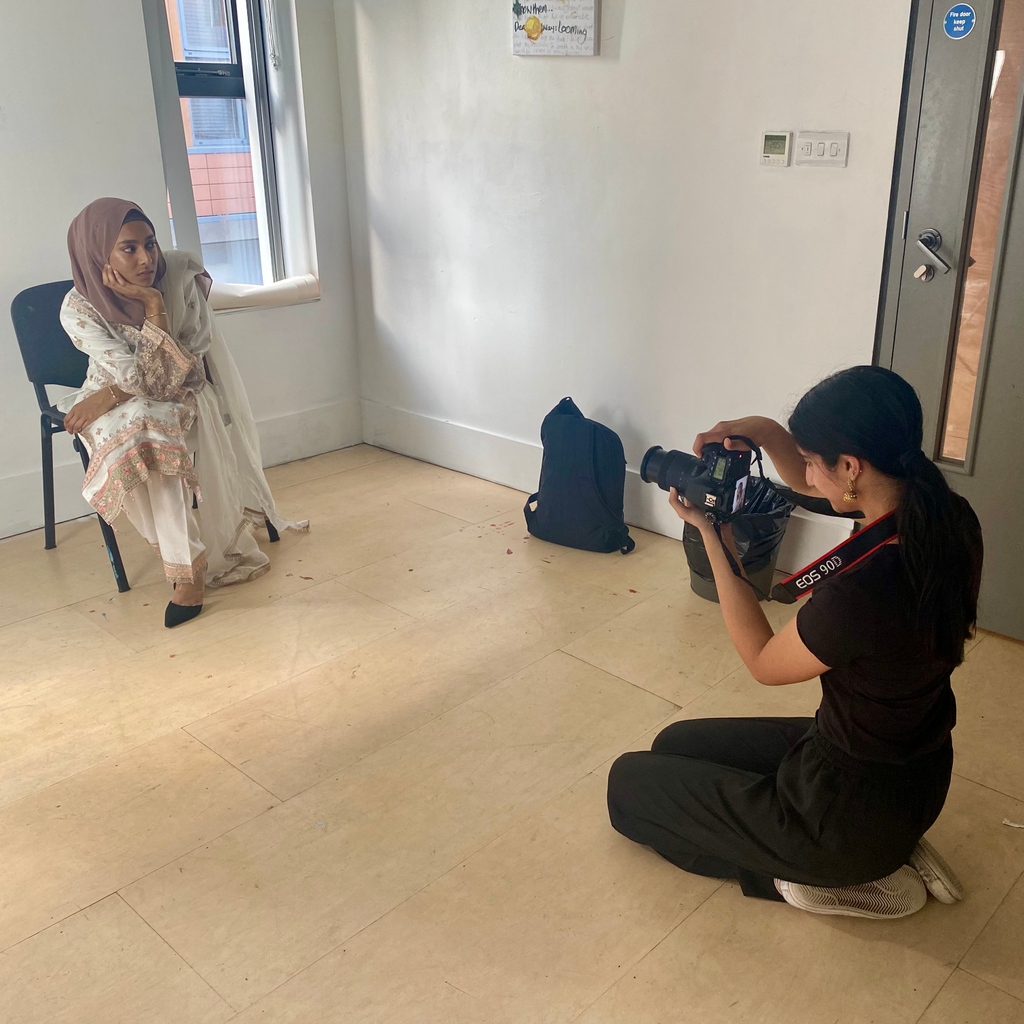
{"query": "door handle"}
pixel 929 242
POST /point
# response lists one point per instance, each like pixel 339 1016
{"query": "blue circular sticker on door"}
pixel 959 21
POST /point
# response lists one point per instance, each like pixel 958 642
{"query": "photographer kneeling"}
pixel 828 813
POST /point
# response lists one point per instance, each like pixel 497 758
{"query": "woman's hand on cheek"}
pixel 120 285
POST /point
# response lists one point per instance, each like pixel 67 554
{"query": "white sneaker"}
pixel 938 876
pixel 896 895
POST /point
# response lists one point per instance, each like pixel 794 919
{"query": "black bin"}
pixel 757 533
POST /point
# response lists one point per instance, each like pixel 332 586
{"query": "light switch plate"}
pixel 821 149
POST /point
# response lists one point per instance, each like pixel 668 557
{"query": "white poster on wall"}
pixel 555 28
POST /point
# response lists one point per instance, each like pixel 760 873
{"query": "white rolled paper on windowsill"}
pixel 292 290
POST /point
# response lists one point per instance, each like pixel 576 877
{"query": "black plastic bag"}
pixel 757 533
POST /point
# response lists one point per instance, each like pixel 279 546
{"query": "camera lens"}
pixel 668 468
pixel 651 465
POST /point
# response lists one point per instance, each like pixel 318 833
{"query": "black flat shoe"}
pixel 177 614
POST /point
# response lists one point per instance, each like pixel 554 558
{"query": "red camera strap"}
pixel 842 557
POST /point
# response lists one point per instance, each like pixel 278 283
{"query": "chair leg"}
pixel 49 519
pixel 109 539
pixel 272 532
pixel 114 554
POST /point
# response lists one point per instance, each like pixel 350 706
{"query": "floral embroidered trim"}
pixel 83 307
pixel 254 517
pixel 134 426
pixel 178 572
pixel 234 556
pixel 134 468
pixel 184 360
pixel 161 367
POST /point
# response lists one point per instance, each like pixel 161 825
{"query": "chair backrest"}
pixel 49 355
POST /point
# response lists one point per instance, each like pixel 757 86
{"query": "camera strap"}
pixel 842 557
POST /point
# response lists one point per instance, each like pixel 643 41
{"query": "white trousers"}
pixel 161 510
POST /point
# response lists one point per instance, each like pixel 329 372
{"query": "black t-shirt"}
pixel 884 697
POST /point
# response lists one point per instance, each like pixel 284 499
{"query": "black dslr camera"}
pixel 715 483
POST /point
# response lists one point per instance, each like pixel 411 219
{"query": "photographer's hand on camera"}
pixel 689 513
pixel 772 659
pixel 771 437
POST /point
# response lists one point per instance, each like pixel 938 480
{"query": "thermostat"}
pixel 775 149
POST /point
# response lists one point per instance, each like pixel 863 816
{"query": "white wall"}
pixel 527 228
pixel 77 122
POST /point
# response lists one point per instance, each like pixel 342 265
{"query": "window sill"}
pixel 229 298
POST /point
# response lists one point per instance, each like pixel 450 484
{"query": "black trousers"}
pixel 757 799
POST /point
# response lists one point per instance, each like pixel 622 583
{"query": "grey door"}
pixel 952 313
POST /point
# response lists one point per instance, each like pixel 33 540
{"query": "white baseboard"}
pixel 505 460
pixel 299 435
pixel 502 460
pixel 283 439
pixel 21 496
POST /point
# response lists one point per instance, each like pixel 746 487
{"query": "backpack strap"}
pixel 529 512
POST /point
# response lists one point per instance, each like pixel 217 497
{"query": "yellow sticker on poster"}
pixel 555 28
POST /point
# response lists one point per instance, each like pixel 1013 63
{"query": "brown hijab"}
pixel 91 239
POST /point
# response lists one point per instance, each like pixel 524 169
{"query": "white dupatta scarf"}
pixel 233 488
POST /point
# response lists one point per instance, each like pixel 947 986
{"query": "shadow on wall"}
pixel 613 19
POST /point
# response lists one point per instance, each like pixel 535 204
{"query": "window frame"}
pixel 230 80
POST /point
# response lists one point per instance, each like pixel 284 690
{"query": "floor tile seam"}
pixel 410 625
pixel 460 519
pixel 132 910
pixel 992 984
pixel 975 646
pixel 640 959
pixel 191 723
pixel 663 724
pixel 565 571
pixel 497 586
pixel 70 605
pixel 4 950
pixel 335 472
pixel 119 889
pixel 233 625
pixel 85 619
pixel 504 513
pixel 636 686
pixel 128 751
pixel 233 636
pixel 38 559
pixel 61 522
pixel 924 1012
pixel 413 619
pixel 991 789
pixel 515 821
pixel 988 921
pixel 237 768
pixel 404 736
pixel 229 615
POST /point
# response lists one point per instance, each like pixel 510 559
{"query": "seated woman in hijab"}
pixel 161 387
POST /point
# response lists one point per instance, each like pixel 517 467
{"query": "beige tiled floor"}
pixel 369 787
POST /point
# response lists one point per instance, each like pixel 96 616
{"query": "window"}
pixel 220 69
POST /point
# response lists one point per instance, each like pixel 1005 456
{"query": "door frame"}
pixel 921 20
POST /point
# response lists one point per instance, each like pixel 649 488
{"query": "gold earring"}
pixel 851 492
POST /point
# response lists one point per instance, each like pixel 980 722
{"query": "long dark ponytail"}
pixel 874 414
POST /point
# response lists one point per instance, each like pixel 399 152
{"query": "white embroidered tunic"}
pixel 187 398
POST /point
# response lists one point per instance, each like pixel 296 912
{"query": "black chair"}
pixel 51 358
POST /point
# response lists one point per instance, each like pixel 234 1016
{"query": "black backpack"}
pixel 582 480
